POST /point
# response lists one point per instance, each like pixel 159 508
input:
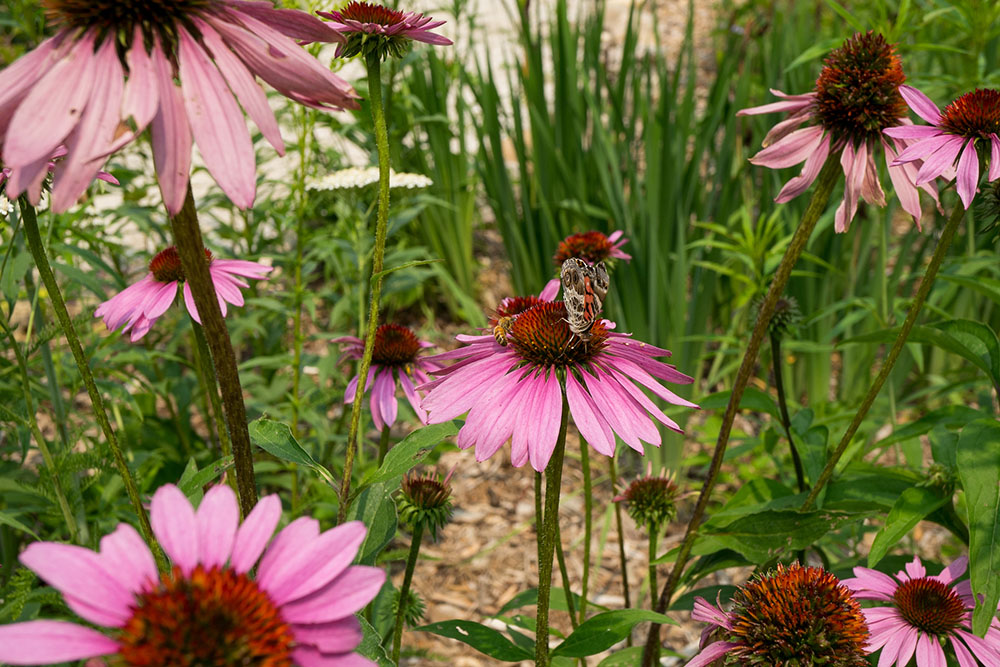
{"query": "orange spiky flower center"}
pixel 119 18
pixel 395 345
pixel 930 605
pixel 798 616
pixel 593 247
pixel 366 12
pixel 857 93
pixel 651 499
pixel 210 617
pixel 166 265
pixel 541 336
pixel 973 115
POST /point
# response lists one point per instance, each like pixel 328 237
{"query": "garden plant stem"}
pixel 621 543
pixel 404 591
pixel 654 534
pixel 911 317
pixel 564 573
pixel 588 508
pixel 34 239
pixel 779 386
pixel 821 196
pixel 187 239
pixel 548 534
pixel 383 444
pixel 381 225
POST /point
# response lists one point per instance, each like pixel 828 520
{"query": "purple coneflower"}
pixel 297 610
pixel 925 612
pixel 952 135
pixel 792 616
pixel 137 306
pixel 34 188
pixel 110 71
pixel 396 356
pixel 513 391
pixel 856 98
pixel 368 26
pixel 592 246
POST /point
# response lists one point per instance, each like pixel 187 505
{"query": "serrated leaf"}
pixel 480 637
pixel 410 451
pixel 375 508
pixel 276 438
pixel 978 458
pixel 601 632
pixel 910 508
pixel 371 644
pixel 192 479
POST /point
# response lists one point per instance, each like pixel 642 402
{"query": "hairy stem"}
pixel 821 197
pixel 564 573
pixel 621 543
pixel 404 591
pixel 588 509
pixel 883 374
pixel 779 386
pixel 383 444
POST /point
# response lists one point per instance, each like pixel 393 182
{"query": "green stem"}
pixel 821 197
pixel 203 359
pixel 34 240
pixel 779 386
pixel 564 573
pixel 383 444
pixel 654 535
pixel 588 508
pixel 621 543
pixel 381 226
pixel 36 432
pixel 883 374
pixel 404 591
pixel 187 238
pixel 547 541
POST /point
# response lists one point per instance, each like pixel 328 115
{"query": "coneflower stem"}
pixel 383 444
pixel 564 573
pixel 621 542
pixel 191 249
pixel 821 197
pixel 40 441
pixel 547 540
pixel 588 508
pixel 779 386
pixel 404 590
pixel 374 66
pixel 34 239
pixel 215 418
pixel 654 534
pixel 883 374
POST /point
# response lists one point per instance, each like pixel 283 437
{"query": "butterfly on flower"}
pixel 502 330
pixel 584 290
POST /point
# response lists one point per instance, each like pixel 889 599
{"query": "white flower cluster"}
pixel 358 177
pixel 5 206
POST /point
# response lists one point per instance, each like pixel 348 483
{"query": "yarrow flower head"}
pixel 924 612
pixel 651 499
pixel 856 98
pixel 397 356
pixel 110 71
pixel 970 122
pixel 592 246
pixel 138 306
pixel 297 610
pixel 371 27
pixel 361 177
pixel 510 384
pixel 426 501
pixel 792 617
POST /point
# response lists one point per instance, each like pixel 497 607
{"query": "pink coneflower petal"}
pixel 314 564
pixel 589 420
pixel 171 136
pixel 548 403
pixel 383 400
pixel 176 527
pixel 968 174
pixel 939 160
pixel 921 104
pixel 334 637
pixel 47 642
pixel 285 544
pixel 814 163
pixel 912 132
pixel 255 532
pixel 905 189
pixel 347 594
pixel 124 553
pixel 410 391
pixel 711 653
pixel 218 518
pixel 791 150
pixel 141 96
pixel 994 171
pixel 929 652
pixel 20 75
pixel 871 189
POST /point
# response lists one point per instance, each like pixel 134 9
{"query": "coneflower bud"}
pixel 426 501
pixel 651 499
pixel 786 315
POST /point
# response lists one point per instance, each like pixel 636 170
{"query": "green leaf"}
pixel 276 438
pixel 629 657
pixel 952 415
pixel 601 632
pixel 910 508
pixel 978 460
pixel 557 601
pixel 988 287
pixel 375 508
pixel 485 640
pixel 192 479
pixel 371 644
pixel 407 265
pixel 753 399
pixel 410 451
pixel 766 535
pixel 8 520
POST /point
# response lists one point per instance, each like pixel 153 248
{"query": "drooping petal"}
pixel 171 137
pixel 49 642
pixel 548 407
pixel 711 653
pixel 589 421
pixel 913 131
pixel 906 191
pixel 921 104
pixel 994 172
pixel 968 174
pixel 142 95
pixel 792 149
pixel 23 73
pixel 939 160
pixel 799 184
pixel 871 188
pixel 411 395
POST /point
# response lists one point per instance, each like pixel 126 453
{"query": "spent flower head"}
pixel 923 612
pixel 592 246
pixel 651 499
pixel 791 617
pixel 298 609
pixel 373 28
pixel 966 131
pixel 113 68
pixel 857 97
pixel 787 314
pixel 426 501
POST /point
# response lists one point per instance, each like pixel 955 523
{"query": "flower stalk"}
pixel 786 422
pixel 588 508
pixel 911 317
pixel 623 561
pixel 821 197
pixel 34 239
pixel 374 66
pixel 190 248
pixel 383 444
pixel 549 532
pixel 404 591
